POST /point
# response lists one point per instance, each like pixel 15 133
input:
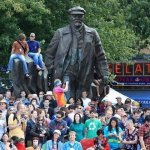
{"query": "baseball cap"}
pixel 49 93
pixel 32 34
pixel 127 101
pixel 57 131
pixel 118 97
pixel 57 82
pixel 117 116
pixel 3 101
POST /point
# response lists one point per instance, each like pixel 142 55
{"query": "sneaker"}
pixel 38 68
pixel 43 69
pixel 7 72
pixel 27 75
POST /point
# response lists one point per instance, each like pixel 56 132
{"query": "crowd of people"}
pixel 52 121
pixel 56 121
pixel 37 122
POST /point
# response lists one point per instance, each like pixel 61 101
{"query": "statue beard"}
pixel 77 24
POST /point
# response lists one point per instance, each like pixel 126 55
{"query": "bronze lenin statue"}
pixel 75 53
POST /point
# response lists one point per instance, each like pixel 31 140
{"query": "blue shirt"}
pixel 49 145
pixel 79 129
pixel 33 46
pixel 76 146
pixel 113 141
pixel 25 101
pixel 2 146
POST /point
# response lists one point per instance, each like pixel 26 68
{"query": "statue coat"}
pixel 93 55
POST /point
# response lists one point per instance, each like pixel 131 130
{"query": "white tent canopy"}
pixel 112 96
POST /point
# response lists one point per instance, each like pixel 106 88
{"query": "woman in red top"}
pixel 19 50
pixel 98 143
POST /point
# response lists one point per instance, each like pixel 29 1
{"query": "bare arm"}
pixel 142 143
pixel 11 127
pixel 130 142
pixel 13 48
pixel 39 50
pixel 120 135
pixel 12 51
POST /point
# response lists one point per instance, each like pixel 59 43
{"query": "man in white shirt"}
pixel 85 99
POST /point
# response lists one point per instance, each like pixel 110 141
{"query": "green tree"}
pixel 21 16
pixel 44 16
pixel 108 17
pixel 138 20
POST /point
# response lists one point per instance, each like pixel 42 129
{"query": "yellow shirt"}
pixel 18 130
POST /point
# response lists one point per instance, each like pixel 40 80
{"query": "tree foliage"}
pixel 138 20
pixel 110 21
pixel 117 21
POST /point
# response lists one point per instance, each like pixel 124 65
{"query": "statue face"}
pixel 76 20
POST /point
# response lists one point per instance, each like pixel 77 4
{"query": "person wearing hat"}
pixel 55 143
pixel 71 49
pixel 49 96
pixel 119 103
pixel 59 92
pixel 3 107
pixel 127 106
pixel 19 50
pixel 35 52
pixel 3 124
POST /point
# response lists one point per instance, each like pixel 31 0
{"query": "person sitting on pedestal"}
pixel 19 50
pixel 35 52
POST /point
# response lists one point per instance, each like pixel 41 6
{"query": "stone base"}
pixel 37 81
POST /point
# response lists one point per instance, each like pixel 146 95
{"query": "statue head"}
pixel 76 15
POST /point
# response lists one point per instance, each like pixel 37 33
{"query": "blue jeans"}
pixel 37 58
pixel 21 58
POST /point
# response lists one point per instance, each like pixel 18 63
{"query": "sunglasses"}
pixel 124 116
pixel 2 104
pixel 58 117
pixel 40 120
pixel 79 107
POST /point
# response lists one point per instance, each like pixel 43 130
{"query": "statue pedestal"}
pixel 36 82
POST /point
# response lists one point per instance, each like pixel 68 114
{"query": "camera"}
pixel 23 116
pixel 42 130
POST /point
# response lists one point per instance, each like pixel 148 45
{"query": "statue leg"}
pixel 71 90
pixel 11 59
pixel 25 68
